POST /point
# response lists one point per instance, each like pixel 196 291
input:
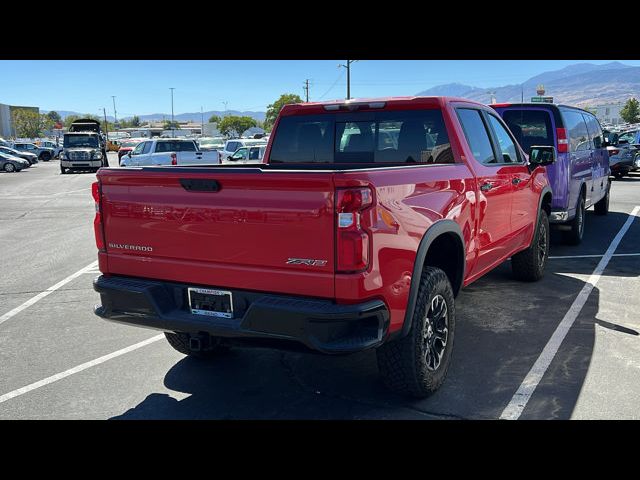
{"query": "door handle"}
pixel 516 180
pixel 485 187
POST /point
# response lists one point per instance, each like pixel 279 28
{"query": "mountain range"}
pixel 581 84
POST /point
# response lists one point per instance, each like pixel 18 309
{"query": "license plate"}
pixel 213 303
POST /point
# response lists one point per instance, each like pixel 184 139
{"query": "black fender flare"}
pixel 434 231
pixel 546 189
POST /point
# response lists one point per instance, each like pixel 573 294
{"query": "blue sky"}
pixel 142 87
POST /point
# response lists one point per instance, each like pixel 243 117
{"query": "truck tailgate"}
pixel 236 228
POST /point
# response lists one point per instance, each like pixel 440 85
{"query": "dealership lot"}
pixel 60 361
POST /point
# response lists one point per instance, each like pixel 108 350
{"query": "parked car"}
pixel 211 143
pixel 231 146
pixel 49 144
pixel 30 157
pixel 334 249
pixel 580 177
pixel 169 152
pixel 44 153
pixel 11 163
pixel 624 152
pixel 252 154
pixel 127 146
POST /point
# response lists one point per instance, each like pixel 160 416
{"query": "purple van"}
pixel 579 177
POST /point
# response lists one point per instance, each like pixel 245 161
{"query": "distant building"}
pixel 609 112
pixel 7 128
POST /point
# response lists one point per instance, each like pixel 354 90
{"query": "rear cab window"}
pixel 381 137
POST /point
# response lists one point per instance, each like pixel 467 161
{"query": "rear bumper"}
pixel 320 325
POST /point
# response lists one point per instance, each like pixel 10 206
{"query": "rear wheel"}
pixel 602 206
pixel 528 265
pixel 417 364
pixel 182 343
pixel 574 236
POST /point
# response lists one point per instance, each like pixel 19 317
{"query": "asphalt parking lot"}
pixel 60 361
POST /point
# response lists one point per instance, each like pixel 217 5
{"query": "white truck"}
pixel 169 151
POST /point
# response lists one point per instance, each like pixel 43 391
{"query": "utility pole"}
pixel 201 121
pixel 106 125
pixel 306 88
pixel 348 67
pixel 173 133
pixel 115 114
pixel 225 106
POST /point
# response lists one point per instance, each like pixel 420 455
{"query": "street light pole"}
pixel 115 113
pixel 172 124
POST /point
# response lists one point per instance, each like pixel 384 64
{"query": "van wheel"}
pixel 180 342
pixel 528 265
pixel 574 236
pixel 417 364
pixel 602 206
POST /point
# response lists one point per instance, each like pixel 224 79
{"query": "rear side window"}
pixel 530 127
pixel 576 131
pixel 175 147
pixel 595 131
pixel 392 137
pixel 476 135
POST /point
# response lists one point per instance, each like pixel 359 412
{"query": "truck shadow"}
pixel 503 325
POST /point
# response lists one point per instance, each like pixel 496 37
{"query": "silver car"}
pixel 30 157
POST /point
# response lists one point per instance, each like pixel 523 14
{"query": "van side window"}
pixel 507 146
pixel 476 135
pixel 576 131
pixel 595 131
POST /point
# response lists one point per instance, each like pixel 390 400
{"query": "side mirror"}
pixel 129 154
pixel 541 155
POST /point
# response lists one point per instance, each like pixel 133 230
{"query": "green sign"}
pixel 542 99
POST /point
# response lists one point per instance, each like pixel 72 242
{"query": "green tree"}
pixel 28 123
pixel 274 109
pixel 214 119
pixel 630 113
pixel 135 121
pixel 54 116
pixel 234 126
pixel 169 125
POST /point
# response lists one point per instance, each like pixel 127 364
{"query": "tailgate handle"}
pixel 199 185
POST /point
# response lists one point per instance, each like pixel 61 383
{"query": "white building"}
pixel 609 112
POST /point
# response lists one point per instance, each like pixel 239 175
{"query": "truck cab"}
pixel 83 147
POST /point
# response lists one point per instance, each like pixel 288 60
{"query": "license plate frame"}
pixel 206 297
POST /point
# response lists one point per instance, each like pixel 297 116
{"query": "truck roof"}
pixel 372 103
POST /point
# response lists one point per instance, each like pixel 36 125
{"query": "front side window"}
pixel 387 137
pixel 240 154
pixel 508 151
pixel 476 135
pixel 146 147
pixel 138 149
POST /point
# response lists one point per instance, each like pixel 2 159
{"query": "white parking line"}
pixel 522 396
pixel 595 256
pixel 79 368
pixel 48 291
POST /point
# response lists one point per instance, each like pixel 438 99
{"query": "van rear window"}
pixel 530 127
pixel 392 137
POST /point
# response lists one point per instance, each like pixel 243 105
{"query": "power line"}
pixel 332 85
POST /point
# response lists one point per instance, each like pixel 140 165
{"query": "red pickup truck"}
pixel 357 231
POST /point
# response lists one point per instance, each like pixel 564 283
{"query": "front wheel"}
pixel 9 167
pixel 417 364
pixel 528 265
pixel 45 156
pixel 63 170
pixel 602 206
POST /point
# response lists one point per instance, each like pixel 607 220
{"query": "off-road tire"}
pixel 180 342
pixel 402 363
pixel 528 265
pixel 575 234
pixel 602 206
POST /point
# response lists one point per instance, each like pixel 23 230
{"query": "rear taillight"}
pixel 97 221
pixel 353 217
pixel 563 143
pixel 174 159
